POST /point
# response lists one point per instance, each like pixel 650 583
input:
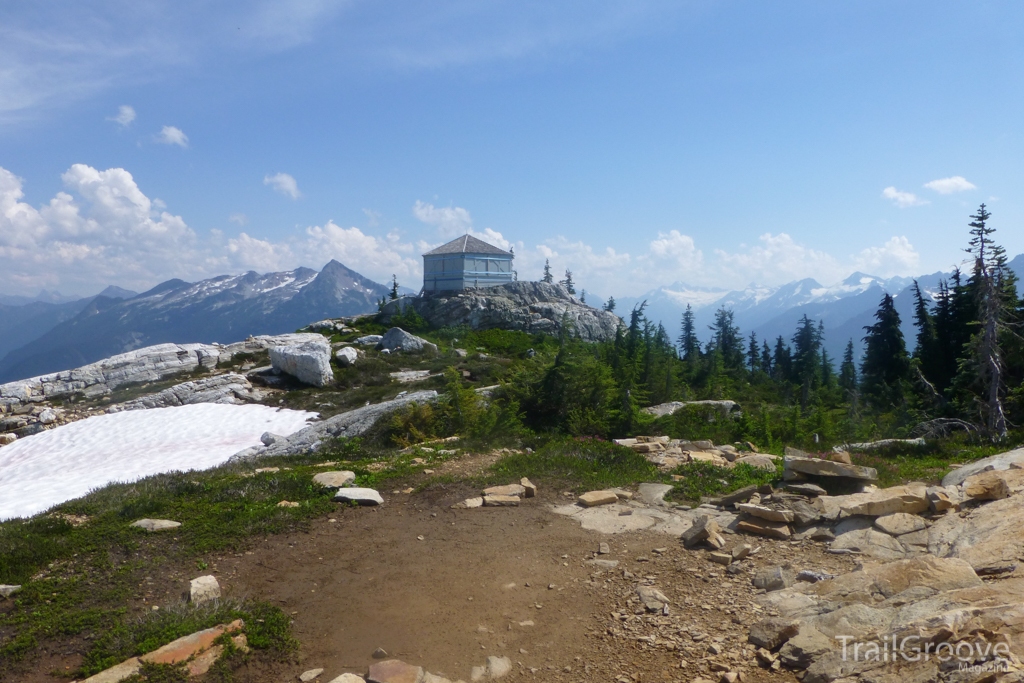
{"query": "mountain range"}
pixel 49 333
pixel 223 309
pixel 845 308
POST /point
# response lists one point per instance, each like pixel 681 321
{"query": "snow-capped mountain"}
pixel 222 309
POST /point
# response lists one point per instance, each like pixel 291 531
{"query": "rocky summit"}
pixel 526 306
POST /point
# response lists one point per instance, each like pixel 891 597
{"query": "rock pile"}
pixel 500 496
pixel 669 453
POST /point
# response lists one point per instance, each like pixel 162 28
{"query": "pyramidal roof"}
pixel 467 244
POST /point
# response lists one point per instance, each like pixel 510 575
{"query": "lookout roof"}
pixel 467 244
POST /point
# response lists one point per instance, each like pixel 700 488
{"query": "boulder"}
pixel 909 498
pixel 653 599
pixel 7 590
pixel 803 648
pixel 203 589
pixel 762 461
pixel 826 468
pixel 7 439
pixel 870 542
pixel 230 388
pixel 346 356
pixel 394 671
pixel 529 488
pixel 397 339
pixel 772 632
pixel 308 362
pixel 335 479
pixel 369 340
pixel 595 498
pixel 941 499
pixel 1002 461
pixel 900 523
pixel 360 496
pixel 806 489
pixel 994 484
pixel 803 512
pixel 310 674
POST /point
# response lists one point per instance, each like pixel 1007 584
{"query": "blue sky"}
pixel 637 143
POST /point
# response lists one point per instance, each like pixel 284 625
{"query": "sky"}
pixel 636 143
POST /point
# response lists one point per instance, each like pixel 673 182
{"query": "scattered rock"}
pixel 909 498
pixel 498 667
pixel 761 461
pixel 470 503
pixel 7 439
pixel 771 633
pixel 346 356
pixel 653 599
pixel 774 578
pixel 900 523
pixel 307 676
pixel 369 340
pixel 704 530
pixel 993 485
pixel 507 490
pixel 348 678
pixel 803 648
pixel 604 564
pixel 203 589
pixel 7 591
pixel 397 339
pixel 379 653
pixel 308 362
pixel 721 558
pixel 360 496
pixel 806 489
pixel 766 513
pixel 941 499
pixel 156 524
pixel 394 671
pixel 595 498
pixel 529 488
pixel 501 501
pixel 288 504
pixel 335 479
pixel 803 512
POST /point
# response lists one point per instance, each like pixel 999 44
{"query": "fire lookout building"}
pixel 466 263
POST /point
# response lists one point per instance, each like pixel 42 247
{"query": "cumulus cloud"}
pixel 125 116
pixel 169 135
pixel 776 259
pixel 902 199
pixel 950 185
pixel 896 257
pixel 283 184
pixel 453 221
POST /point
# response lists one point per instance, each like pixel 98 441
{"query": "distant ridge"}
pixel 223 309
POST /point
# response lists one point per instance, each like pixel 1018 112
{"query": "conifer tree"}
pixel 848 370
pixel 782 361
pixel 568 282
pixel 610 304
pixel 394 287
pixel 753 357
pixel 885 366
pixel 727 340
pixel 689 346
pixel 548 277
pixel 766 358
pixel 806 357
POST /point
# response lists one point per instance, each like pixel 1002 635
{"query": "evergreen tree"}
pixel 548 277
pixel 926 352
pixel 782 361
pixel 583 296
pixel 766 358
pixel 568 282
pixel 753 357
pixel 848 370
pixel 885 366
pixel 806 357
pixel 689 346
pixel 727 340
pixel 610 304
pixel 394 287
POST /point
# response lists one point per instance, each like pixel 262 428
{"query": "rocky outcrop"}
pixel 309 361
pixel 149 364
pixel 348 424
pixel 526 306
pixel 1002 461
pixel 230 388
pixel 726 408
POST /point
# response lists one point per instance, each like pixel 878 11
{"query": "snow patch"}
pixel 61 464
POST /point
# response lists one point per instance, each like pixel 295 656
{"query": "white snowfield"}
pixel 61 464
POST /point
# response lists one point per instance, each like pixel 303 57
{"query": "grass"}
pixel 702 479
pixel 579 464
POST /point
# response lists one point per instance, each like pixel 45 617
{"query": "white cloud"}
pixel 895 257
pixel 775 259
pixel 453 221
pixel 125 115
pixel 169 135
pixel 239 219
pixel 902 199
pixel 283 184
pixel 950 185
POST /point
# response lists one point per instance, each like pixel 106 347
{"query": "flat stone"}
pixel 348 678
pixel 604 564
pixel 117 673
pixel 595 498
pixel 307 676
pixel 721 558
pixel 203 589
pixel 993 485
pixel 184 648
pixel 806 489
pixel 603 549
pixel 763 527
pixel 202 663
pixel 871 542
pixel 803 648
pixel 704 530
pixel 1001 461
pixel 653 494
pixel 941 499
pixel 394 671
pixel 803 512
pixel 989 538
pixel 7 591
pixel 529 488
pixel 827 468
pixel 156 524
pixel 767 513
pixel 516 490
pixel 900 523
pixel 909 498
pixel 335 480
pixel 501 501
pixel 741 551
pixel 470 503
pixel 359 496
